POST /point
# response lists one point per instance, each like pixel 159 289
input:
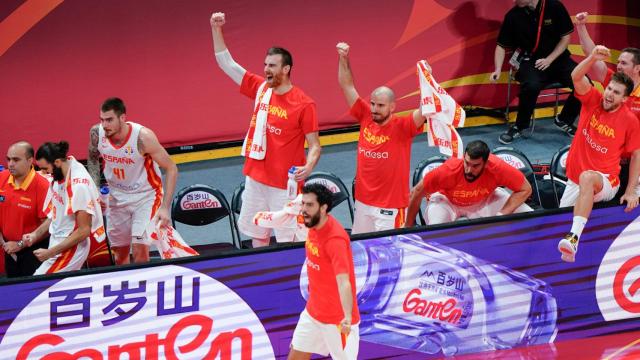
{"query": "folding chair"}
pixel 558 172
pixel 423 168
pixel 519 160
pixel 337 187
pixel 200 205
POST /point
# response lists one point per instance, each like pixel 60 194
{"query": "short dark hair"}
pixel 286 56
pixel 477 149
pixel 115 104
pixel 624 79
pixel 635 52
pixel 323 194
pixel 52 151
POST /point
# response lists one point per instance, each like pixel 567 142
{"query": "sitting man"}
pixel 470 187
pixel 607 128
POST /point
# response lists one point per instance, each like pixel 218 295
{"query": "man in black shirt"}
pixel 543 58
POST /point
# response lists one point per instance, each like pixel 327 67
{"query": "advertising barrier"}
pixel 478 286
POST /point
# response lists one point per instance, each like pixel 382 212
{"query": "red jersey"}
pixel 384 156
pixel 448 179
pixel 291 116
pixel 633 102
pixel 329 254
pixel 21 207
pixel 601 138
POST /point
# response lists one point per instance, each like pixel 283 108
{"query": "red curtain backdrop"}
pixel 60 59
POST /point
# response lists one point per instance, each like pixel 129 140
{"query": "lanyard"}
pixel 540 21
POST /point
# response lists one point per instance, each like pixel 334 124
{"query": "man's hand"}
pixel 302 172
pixel 543 64
pixel 11 247
pixel 600 53
pixel 42 254
pixel 495 76
pixel 217 20
pixel 103 205
pixel 631 199
pixel 343 49
pixel 164 219
pixel 345 326
pixel 29 239
pixel 581 18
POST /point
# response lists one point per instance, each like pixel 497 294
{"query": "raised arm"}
pixel 93 160
pixel 148 144
pixel 223 56
pixel 599 69
pixel 345 76
pixel 498 60
pixel 578 75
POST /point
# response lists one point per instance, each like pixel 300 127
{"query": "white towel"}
pixel 168 241
pixel 255 142
pixel 288 218
pixel 443 114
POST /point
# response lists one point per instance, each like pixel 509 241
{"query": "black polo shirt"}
pixel 520 28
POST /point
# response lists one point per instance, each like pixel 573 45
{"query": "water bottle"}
pixel 292 184
pixel 1 168
pixel 423 296
pixel 104 197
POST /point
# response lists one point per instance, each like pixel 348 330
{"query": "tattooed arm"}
pixel 93 161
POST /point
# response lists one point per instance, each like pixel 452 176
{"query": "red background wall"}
pixel 157 56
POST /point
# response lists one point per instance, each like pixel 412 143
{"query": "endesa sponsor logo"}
pixel 373 154
pixel 594 145
pixel 198 200
pixel 170 312
pixel 446 311
pixel 618 280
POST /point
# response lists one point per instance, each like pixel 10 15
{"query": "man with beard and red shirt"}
pixel 607 128
pixel 290 120
pixel 329 322
pixel 384 153
pixel 470 187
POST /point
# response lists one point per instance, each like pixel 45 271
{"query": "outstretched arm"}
pixel 580 82
pixel 223 56
pixel 599 69
pixel 93 160
pixel 345 77
pixel 148 144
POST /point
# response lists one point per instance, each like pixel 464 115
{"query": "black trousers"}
pixel 26 263
pixel 532 81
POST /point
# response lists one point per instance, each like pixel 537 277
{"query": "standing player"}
pixel 132 159
pixel 384 153
pixel 606 130
pixel 74 215
pixel 470 187
pixel 329 322
pixel 289 117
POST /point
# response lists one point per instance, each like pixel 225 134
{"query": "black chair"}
pixel 423 168
pixel 337 187
pixel 556 88
pixel 519 160
pixel 558 172
pixel 200 205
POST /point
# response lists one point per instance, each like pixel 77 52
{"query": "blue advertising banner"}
pixel 449 291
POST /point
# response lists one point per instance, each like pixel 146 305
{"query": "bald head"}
pixel 24 147
pixel 384 92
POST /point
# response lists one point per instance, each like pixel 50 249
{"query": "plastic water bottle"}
pixel 104 197
pixel 423 296
pixel 292 184
pixel 1 168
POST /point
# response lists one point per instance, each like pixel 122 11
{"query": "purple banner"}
pixel 464 289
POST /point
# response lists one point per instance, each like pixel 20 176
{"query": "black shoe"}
pixel 508 136
pixel 568 129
